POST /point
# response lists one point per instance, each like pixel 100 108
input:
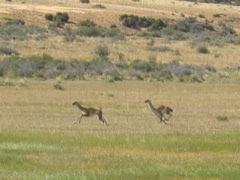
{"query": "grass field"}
pixel 39 140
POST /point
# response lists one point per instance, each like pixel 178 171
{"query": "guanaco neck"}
pixel 150 105
pixel 80 107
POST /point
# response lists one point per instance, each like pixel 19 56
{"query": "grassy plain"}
pixel 39 140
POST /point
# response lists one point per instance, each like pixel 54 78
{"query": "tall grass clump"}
pixel 222 118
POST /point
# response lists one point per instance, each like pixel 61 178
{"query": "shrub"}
pixel 136 74
pixel 133 21
pixel 45 67
pixel 8 51
pixel 85 1
pixel 157 25
pixel 129 20
pixel 201 27
pixel 113 73
pixel 102 50
pixel 13 31
pixel 98 66
pixel 89 31
pixel 87 23
pixel 166 74
pixel 202 49
pixel 217 15
pixel 210 68
pixel 62 17
pixel 49 17
pixel 225 30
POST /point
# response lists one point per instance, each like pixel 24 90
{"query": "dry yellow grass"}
pixel 196 106
pixel 132 48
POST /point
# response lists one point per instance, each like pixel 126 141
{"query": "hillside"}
pixel 33 13
pixel 194 33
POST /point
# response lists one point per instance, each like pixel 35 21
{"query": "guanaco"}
pixel 89 112
pixel 160 111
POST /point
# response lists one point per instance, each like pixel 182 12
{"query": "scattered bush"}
pixel 87 23
pixel 133 21
pixel 89 31
pixel 202 49
pixel 157 25
pixel 62 17
pixel 8 51
pixel 45 67
pixel 102 50
pixel 49 17
pixel 217 15
pixel 85 1
pixel 13 31
pixel 58 20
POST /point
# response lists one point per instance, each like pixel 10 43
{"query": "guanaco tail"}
pixel 159 111
pixel 89 112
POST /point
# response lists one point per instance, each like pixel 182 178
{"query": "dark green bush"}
pixel 49 17
pixel 87 23
pixel 157 25
pixel 202 49
pixel 62 17
pixel 89 31
pixel 85 1
pixel 134 21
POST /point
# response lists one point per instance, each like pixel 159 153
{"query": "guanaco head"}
pixel 147 101
pixel 75 103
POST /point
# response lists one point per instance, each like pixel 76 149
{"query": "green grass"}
pixel 39 140
pixel 29 154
